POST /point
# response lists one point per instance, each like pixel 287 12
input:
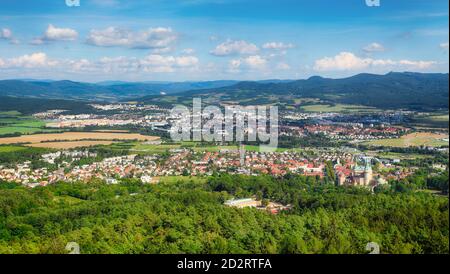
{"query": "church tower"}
pixel 368 175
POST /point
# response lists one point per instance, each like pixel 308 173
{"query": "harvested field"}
pixel 75 136
pixel 112 130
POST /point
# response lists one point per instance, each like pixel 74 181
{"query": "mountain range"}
pixel 407 90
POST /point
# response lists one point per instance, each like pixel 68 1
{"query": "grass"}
pixel 12 122
pixel 153 149
pixel 143 148
pixel 184 179
pixel 432 120
pixel 69 200
pixel 11 148
pixel 10 113
pixel 413 140
pixel 403 156
pixel 337 108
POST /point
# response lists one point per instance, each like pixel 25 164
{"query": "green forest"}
pixel 188 217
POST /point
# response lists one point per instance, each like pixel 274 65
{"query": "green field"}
pixel 12 122
pixel 413 140
pixel 402 156
pixel 337 108
pixel 11 148
pixel 142 148
pixel 183 179
pixel 432 120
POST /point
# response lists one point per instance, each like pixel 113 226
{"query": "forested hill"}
pixel 394 90
pixel 415 91
pixel 106 91
pixel 33 105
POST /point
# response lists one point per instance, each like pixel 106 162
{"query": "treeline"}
pixel 421 179
pixel 30 105
pixel 189 217
pixel 31 154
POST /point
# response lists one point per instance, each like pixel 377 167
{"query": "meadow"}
pixel 70 145
pixel 7 149
pixel 337 108
pixel 432 120
pixel 13 122
pixel 413 140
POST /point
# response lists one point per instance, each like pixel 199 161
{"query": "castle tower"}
pixel 368 174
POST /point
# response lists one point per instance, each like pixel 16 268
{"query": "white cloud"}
pixel 152 38
pixel 37 41
pixel 253 62
pixel 374 47
pixel 6 34
pixel 417 64
pixel 59 34
pixel 277 46
pixel 231 47
pixel 444 46
pixel 53 33
pixel 35 60
pixel 347 61
pixel 283 66
pixel 161 50
pixel 342 61
pixel 188 51
pixel 152 63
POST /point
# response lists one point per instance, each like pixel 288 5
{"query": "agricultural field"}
pixel 68 140
pixel 141 147
pixel 183 179
pixel 414 140
pixel 337 108
pixel 70 145
pixel 7 149
pixel 401 156
pixel 12 122
pixel 432 120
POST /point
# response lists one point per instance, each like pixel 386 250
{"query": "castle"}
pixel 356 175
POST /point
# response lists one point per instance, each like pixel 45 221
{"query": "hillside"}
pixel 106 91
pixel 415 91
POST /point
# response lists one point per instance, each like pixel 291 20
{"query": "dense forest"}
pixel 413 91
pixel 189 217
pixel 33 105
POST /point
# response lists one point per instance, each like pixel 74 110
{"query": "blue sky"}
pixel 169 40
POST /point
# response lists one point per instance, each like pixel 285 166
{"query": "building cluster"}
pixel 271 207
pixel 125 107
pixel 345 131
pixel 65 166
pixel 108 169
pixel 116 120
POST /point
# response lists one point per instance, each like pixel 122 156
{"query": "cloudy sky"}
pixel 170 40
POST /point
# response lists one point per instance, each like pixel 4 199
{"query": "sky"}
pixel 199 40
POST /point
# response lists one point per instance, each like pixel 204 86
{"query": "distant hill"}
pixel 106 91
pixel 407 90
pixel 33 105
pixel 418 91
